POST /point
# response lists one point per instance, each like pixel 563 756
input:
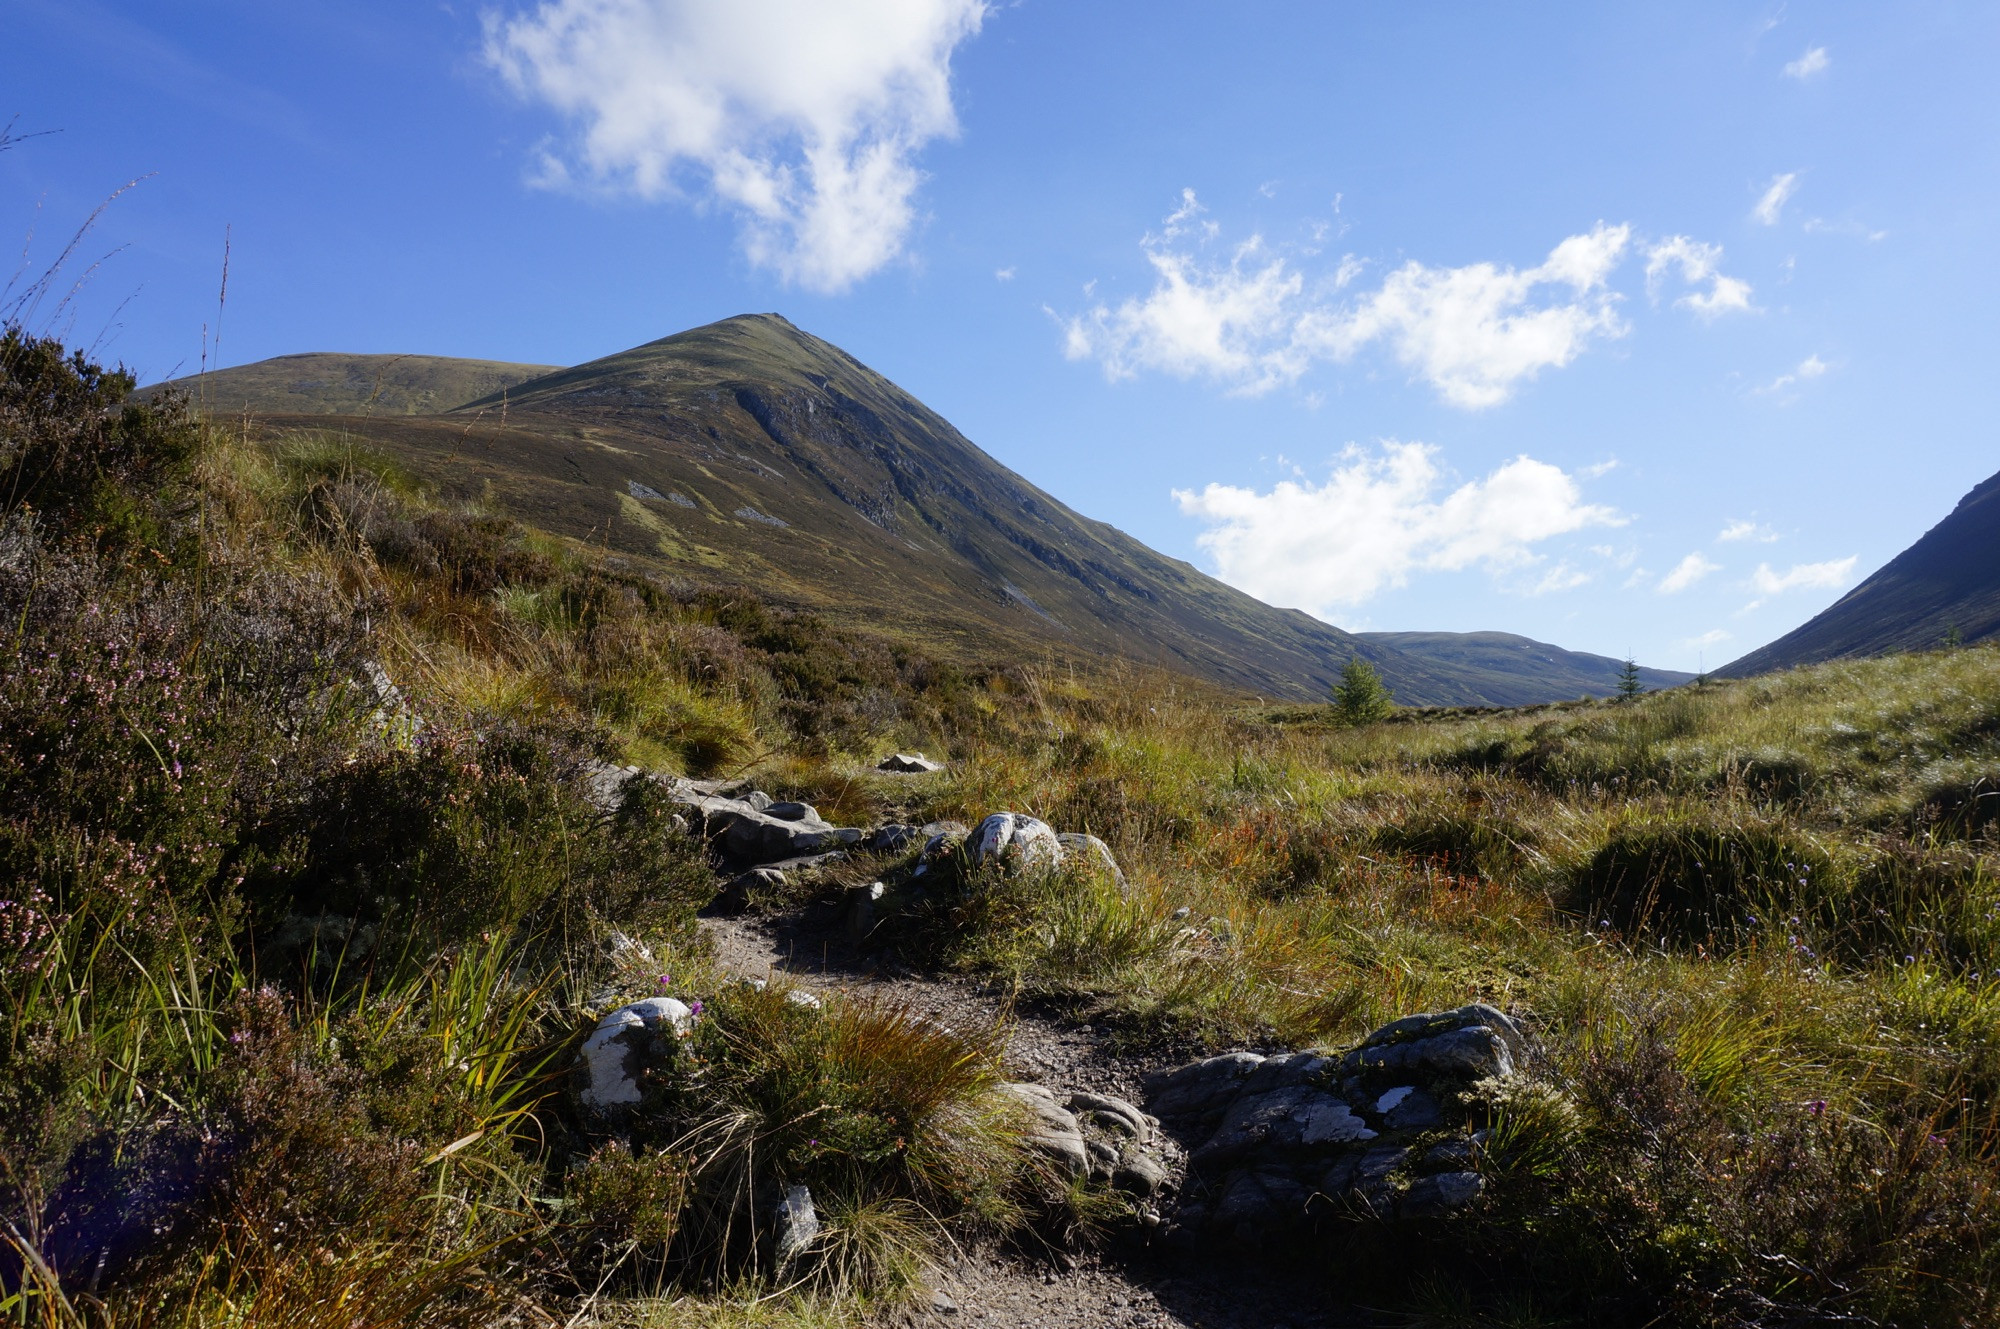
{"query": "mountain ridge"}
pixel 1947 582
pixel 1513 670
pixel 749 451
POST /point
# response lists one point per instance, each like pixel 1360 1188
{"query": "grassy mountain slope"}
pixel 1948 579
pixel 328 383
pixel 1519 671
pixel 750 452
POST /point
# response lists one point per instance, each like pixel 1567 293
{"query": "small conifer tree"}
pixel 1361 697
pixel 1629 686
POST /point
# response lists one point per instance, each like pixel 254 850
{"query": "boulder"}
pixel 1093 850
pixel 1019 843
pixel 1387 1131
pixel 907 763
pixel 625 1045
pixel 746 833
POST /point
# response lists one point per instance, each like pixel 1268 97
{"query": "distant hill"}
pixel 1949 579
pixel 748 452
pixel 1519 671
pixel 327 383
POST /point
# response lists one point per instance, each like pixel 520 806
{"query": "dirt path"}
pixel 1127 1285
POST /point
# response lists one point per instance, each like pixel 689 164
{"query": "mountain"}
pixel 1949 579
pixel 1518 671
pixel 324 383
pixel 749 452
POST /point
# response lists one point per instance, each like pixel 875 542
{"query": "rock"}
pixel 1433 1196
pixel 798 1225
pixel 1203 1090
pixel 736 892
pixel 1093 850
pixel 1415 1111
pixel 1054 1131
pixel 890 839
pixel 1282 1119
pixel 942 1304
pixel 752 835
pixel 1103 1159
pixel 604 784
pixel 1140 1175
pixel 1115 1113
pixel 908 763
pixel 1358 1130
pixel 615 1056
pixel 792 811
pixel 760 801
pixel 1019 843
pixel 863 910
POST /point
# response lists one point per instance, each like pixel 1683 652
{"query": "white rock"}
pixel 798 1224
pixel 1388 1101
pixel 609 1053
pixel 1020 842
pixel 1092 848
pixel 907 763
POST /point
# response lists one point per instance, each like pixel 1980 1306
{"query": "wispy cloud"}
pixel 1830 575
pixel 1686 573
pixel 1003 274
pixel 1805 371
pixel 804 118
pixel 1738 531
pixel 1379 518
pixel 1696 263
pixel 1772 204
pixel 1712 637
pixel 1814 61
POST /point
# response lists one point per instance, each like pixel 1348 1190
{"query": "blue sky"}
pixel 1637 328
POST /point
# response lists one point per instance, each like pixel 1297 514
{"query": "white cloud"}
pixel 1807 369
pixel 1814 61
pixel 1561 577
pixel 1003 274
pixel 1378 518
pixel 1803 576
pixel 1712 637
pixel 1737 531
pixel 804 116
pixel 1245 316
pixel 1686 573
pixel 1476 331
pixel 1696 263
pixel 1773 202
